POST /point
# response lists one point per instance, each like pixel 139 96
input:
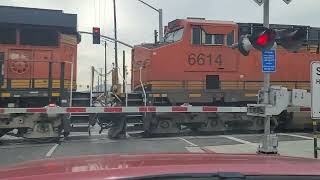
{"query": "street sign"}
pixel 269 61
pixel 259 2
pixel 287 1
pixel 315 90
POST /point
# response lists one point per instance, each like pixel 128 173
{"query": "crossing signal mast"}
pixel 266 38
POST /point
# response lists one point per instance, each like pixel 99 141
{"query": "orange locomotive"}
pixel 36 55
pixel 38 62
pixel 196 64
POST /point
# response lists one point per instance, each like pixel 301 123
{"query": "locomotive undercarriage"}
pixel 173 123
pixel 37 127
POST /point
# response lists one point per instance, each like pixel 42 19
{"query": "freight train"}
pixel 38 67
pixel 197 65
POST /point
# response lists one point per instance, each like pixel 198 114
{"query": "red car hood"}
pixel 122 166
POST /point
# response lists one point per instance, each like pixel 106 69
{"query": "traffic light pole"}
pixel 105 71
pixel 116 39
pixel 269 141
pixel 160 11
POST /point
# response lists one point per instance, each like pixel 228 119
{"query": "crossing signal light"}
pixel 291 39
pixel 244 45
pixel 96 35
pixel 263 38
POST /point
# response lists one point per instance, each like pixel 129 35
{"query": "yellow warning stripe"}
pixel 224 85
pixel 38 83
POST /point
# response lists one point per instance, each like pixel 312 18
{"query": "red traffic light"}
pixel 96 35
pixel 96 30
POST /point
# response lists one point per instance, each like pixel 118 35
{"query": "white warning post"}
pixel 315 90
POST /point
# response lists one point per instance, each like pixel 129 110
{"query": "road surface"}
pixel 15 150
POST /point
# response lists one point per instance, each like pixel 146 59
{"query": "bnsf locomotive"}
pixel 38 62
pixel 197 65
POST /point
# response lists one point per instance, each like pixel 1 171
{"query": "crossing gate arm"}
pixel 137 109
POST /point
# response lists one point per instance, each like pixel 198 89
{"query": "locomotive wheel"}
pixel 4 131
pixel 118 129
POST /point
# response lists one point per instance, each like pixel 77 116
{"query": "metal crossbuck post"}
pixel 315 103
pixel 269 141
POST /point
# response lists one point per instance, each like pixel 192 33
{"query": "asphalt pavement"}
pixel 14 150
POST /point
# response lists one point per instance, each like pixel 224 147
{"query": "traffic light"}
pixel 96 35
pixel 291 39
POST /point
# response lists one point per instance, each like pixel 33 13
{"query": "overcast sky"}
pixel 137 22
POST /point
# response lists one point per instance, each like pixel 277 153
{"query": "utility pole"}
pixel 124 71
pixel 269 141
pixel 161 25
pixel 161 38
pixel 105 68
pixel 101 80
pixel 116 39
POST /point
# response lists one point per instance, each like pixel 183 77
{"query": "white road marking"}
pixel 295 135
pixel 49 153
pixel 195 149
pixel 192 144
pixel 240 140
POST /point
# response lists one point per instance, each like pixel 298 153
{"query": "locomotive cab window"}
pixel 39 37
pixel 174 36
pixel 196 35
pixel 8 36
pixel 214 39
pixel 230 39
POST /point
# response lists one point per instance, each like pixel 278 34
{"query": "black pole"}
pixel 105 68
pixel 62 67
pixel 116 38
pixel 1 70
pixel 318 48
pixel 315 141
pixel 124 71
pixel 50 82
pixel 155 36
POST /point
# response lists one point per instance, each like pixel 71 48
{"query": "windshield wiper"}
pixel 219 175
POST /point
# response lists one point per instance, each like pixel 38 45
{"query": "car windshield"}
pixel 148 88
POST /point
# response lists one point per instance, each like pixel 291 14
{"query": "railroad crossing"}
pixel 14 150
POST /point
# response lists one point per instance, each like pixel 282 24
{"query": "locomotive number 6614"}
pixel 204 59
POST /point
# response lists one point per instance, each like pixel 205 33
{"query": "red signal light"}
pixel 263 40
pixel 96 35
pixel 96 30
